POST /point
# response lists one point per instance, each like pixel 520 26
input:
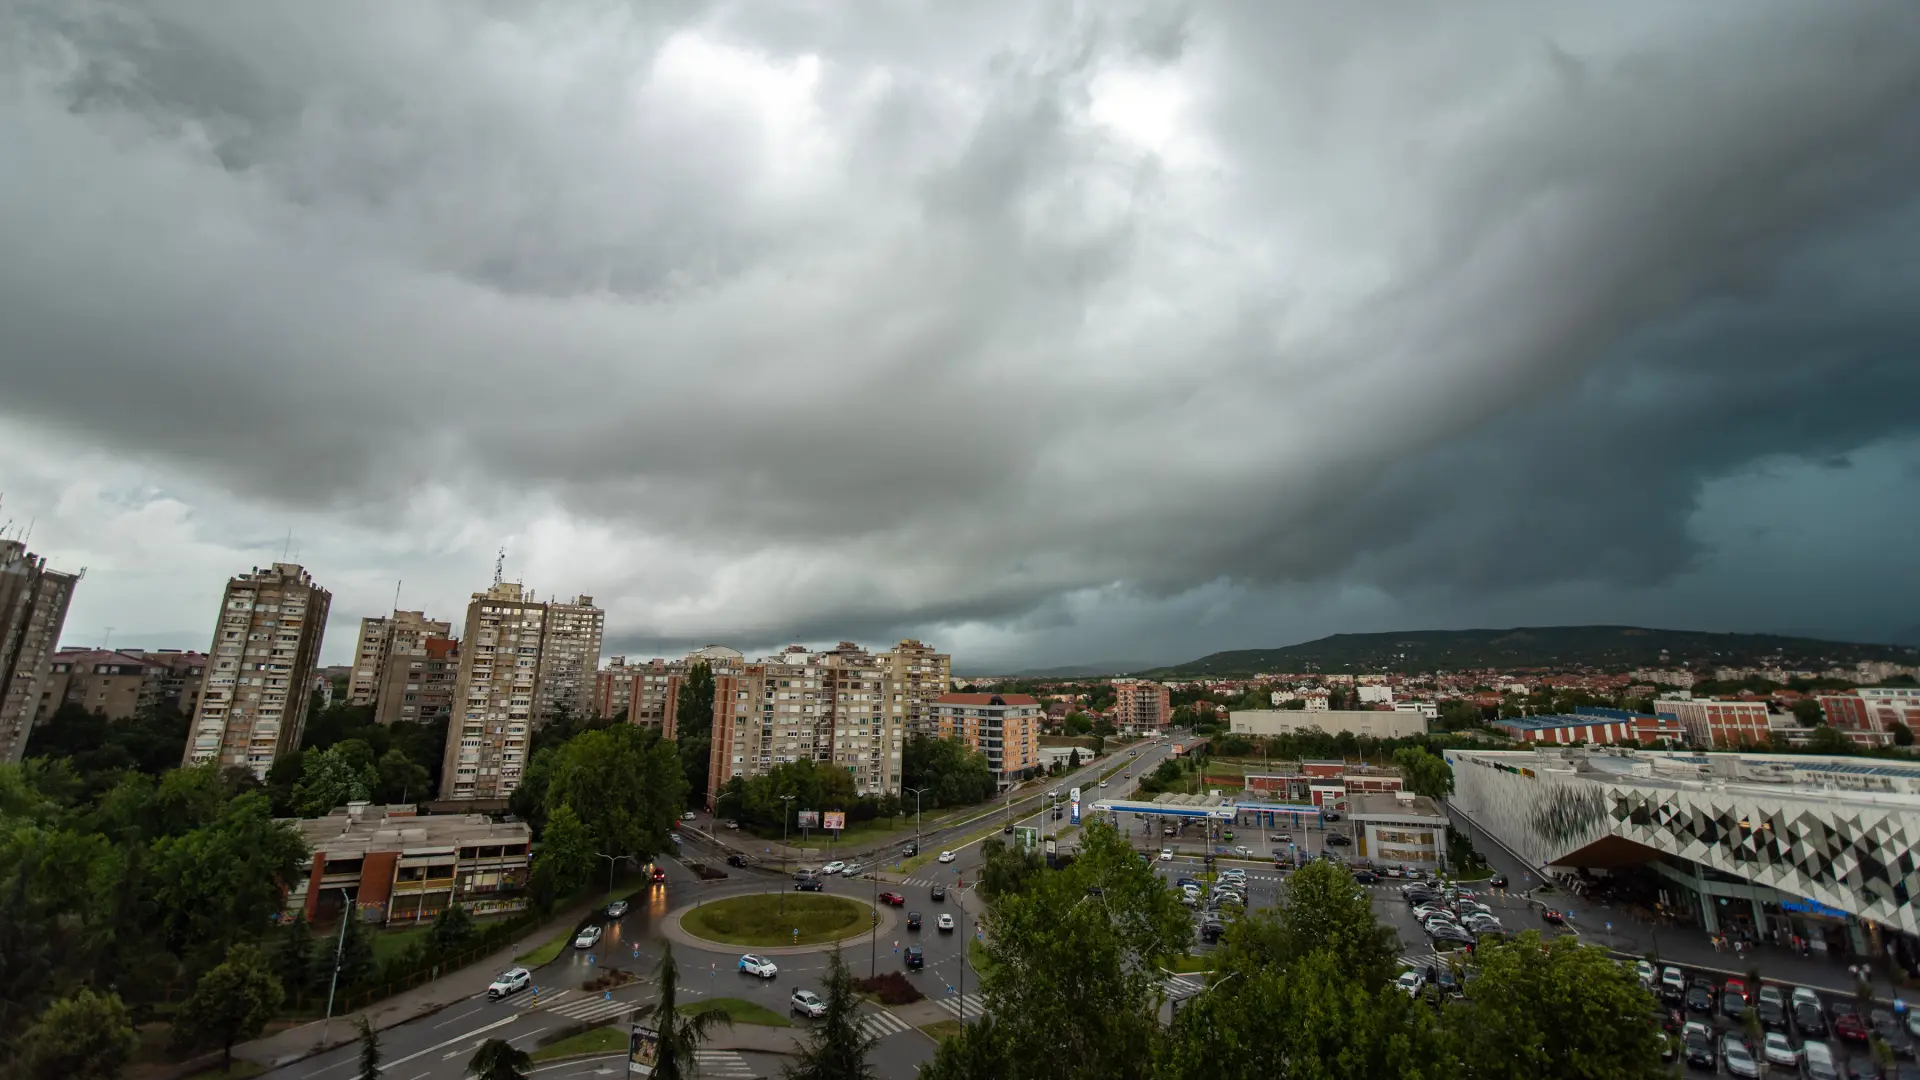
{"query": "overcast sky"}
pixel 1049 333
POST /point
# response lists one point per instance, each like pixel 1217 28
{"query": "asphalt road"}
pixel 438 1047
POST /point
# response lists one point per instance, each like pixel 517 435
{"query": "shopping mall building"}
pixel 1819 847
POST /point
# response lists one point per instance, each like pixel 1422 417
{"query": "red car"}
pixel 1553 918
pixel 1735 986
pixel 1850 1027
pixel 659 876
pixel 893 898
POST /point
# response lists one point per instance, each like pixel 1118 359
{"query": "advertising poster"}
pixel 836 819
pixel 643 1051
pixel 809 819
pixel 1073 807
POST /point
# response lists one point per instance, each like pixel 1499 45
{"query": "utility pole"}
pixel 916 816
pixel 339 947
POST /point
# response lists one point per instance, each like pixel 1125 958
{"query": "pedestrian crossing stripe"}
pixel 722 1063
pixel 966 1007
pixel 593 1009
pixel 1179 987
pixel 882 1024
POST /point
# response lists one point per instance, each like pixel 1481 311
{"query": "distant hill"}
pixel 1077 671
pixel 1538 646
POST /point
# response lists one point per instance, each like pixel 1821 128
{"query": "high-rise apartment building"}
pixel 1142 706
pixel 493 694
pixel 122 685
pixel 569 656
pixel 1005 727
pixel 921 676
pixel 838 706
pixel 33 610
pixel 417 681
pixel 266 644
pixel 646 694
pixel 404 634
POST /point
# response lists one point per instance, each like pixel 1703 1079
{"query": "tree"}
pixel 1005 869
pixel 626 785
pixel 1808 713
pixel 369 1052
pixel 497 1059
pixel 88 1036
pixel 1073 974
pixel 566 851
pixel 679 1035
pixel 232 1002
pixel 1323 911
pixel 1829 740
pixel 1073 759
pixel 452 932
pixel 400 779
pixel 837 1047
pixel 332 777
pixel 353 947
pixel 1518 1022
pixel 1425 774
pixel 953 773
pixel 1902 734
pixel 693 726
pixel 977 1053
pixel 226 881
pixel 293 956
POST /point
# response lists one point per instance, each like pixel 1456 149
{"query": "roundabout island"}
pixel 777 921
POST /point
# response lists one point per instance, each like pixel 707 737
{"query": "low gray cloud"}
pixel 771 321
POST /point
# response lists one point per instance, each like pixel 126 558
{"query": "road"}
pixel 438 1047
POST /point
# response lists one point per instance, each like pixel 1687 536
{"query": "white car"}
pixel 807 1002
pixel 510 981
pixel 688 816
pixel 833 867
pixel 1412 982
pixel 1780 1050
pixel 587 938
pixel 945 922
pixel 1644 971
pixel 946 856
pixel 1103 783
pixel 1233 874
pixel 758 965
pixel 1166 854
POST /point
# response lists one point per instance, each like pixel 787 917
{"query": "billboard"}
pixel 1073 807
pixel 835 820
pixel 809 819
pixel 643 1051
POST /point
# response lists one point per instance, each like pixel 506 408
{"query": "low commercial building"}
pixel 1718 724
pixel 1398 828
pixel 1370 723
pixel 1615 726
pixel 1773 845
pixel 1869 715
pixel 392 865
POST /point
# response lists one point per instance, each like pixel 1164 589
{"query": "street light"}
pixel 611 861
pixel 783 831
pixel 339 947
pixel 916 816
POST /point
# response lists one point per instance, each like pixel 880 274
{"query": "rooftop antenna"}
pixel 288 546
pixel 396 595
pixel 108 647
pixel 499 566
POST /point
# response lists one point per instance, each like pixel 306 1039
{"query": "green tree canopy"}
pixel 498 1059
pixel 1425 773
pixel 334 777
pixel 1808 713
pixel 1561 1009
pixel 953 773
pixel 680 1035
pixel 231 1003
pixel 226 881
pixel 1322 911
pixel 566 853
pixel 837 1046
pixel 85 1037
pixel 626 786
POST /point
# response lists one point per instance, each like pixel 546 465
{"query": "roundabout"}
pixel 776 922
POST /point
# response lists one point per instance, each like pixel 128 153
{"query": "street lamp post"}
pixel 785 812
pixel 916 816
pixel 612 860
pixel 339 947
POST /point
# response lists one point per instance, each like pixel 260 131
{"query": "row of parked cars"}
pixel 1801 1030
pixel 1449 915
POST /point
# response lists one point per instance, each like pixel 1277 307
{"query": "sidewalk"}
pixel 423 1000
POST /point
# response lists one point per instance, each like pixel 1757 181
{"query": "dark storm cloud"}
pixel 856 319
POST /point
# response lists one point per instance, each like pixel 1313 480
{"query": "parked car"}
pixel 1809 1021
pixel 1699 1052
pixel 688 816
pixel 944 923
pixel 1817 1059
pixel 913 920
pixel 1186 881
pixel 833 867
pixel 1365 877
pixel 617 909
pixel 916 959
pixel 1166 854
pixel 1733 1005
pixel 1331 815
pixel 1412 982
pixel 1737 1058
pixel 587 938
pixel 946 857
pixel 1338 840
pixel 893 898
pixel 1700 995
pixel 1673 985
pixel 1849 1026
pixel 1779 1049
pixel 1451 935
pixel 807 1003
pixel 758 966
pixel 1888 1031
pixel 673 838
pixel 511 981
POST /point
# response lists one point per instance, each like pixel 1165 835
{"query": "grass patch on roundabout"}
pixel 768 920
pixel 546 953
pixel 739 1009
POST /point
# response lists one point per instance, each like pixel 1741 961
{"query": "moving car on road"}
pixel 938 892
pixel 511 981
pixel 587 938
pixel 737 860
pixel 945 923
pixel 807 1003
pixel 913 920
pixel 809 884
pixel 688 816
pixel 1166 854
pixel 916 959
pixel 758 966
pixel 833 867
pixel 893 898
pixel 946 857
pixel 617 909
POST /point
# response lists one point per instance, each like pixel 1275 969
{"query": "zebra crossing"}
pixel 1182 987
pixel 925 883
pixel 585 1007
pixel 881 1024
pixel 1422 961
pixel 722 1063
pixel 966 1006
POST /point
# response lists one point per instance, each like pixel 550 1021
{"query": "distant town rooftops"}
pixel 988 699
